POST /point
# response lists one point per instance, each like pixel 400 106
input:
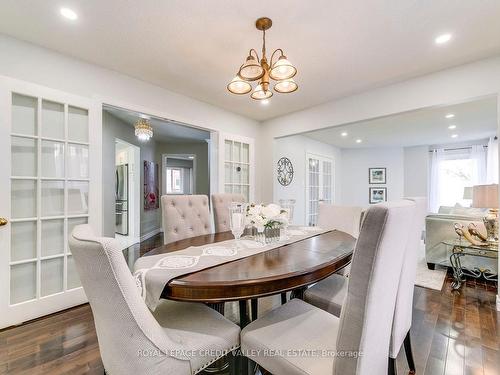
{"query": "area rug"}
pixel 431 279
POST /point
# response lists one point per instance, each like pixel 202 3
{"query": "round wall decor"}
pixel 285 171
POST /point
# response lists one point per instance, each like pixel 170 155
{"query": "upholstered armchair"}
pixel 184 216
pixel 220 206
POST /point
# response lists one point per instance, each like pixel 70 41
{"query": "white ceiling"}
pixel 163 131
pixel 474 120
pixel 195 47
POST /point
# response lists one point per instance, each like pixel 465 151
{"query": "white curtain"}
pixel 434 187
pixel 478 156
pixel 492 161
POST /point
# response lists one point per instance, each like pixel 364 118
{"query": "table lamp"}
pixel 486 196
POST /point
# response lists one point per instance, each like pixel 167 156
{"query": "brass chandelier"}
pixel 255 69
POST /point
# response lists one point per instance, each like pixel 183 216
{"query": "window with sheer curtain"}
pixel 452 171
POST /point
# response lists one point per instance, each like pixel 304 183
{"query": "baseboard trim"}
pixel 150 234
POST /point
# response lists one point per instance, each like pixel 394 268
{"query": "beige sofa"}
pixel 440 227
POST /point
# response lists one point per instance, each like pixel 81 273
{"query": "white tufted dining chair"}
pixel 344 218
pixel 175 339
pixel 220 205
pixel 330 293
pixel 184 216
pixel 308 340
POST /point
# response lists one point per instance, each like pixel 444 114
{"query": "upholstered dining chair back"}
pixel 131 341
pixel 404 299
pixel 184 216
pixel 220 206
pixel 344 218
pixel 367 314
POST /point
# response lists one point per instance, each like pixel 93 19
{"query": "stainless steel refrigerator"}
pixel 121 205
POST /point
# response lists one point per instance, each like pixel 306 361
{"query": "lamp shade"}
pixel 282 69
pixel 485 196
pixel 239 86
pixel 260 93
pixel 286 86
pixel 251 69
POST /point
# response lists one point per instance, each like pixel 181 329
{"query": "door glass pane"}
pixel 52 198
pixel 245 192
pixel 227 172
pixel 52 276
pixel 52 159
pixel 78 161
pixel 236 151
pixel 22 282
pixel 228 188
pixel 23 199
pixel 227 150
pixel 244 174
pixel 78 124
pixel 23 241
pixel 78 197
pixel 73 279
pixel 24 114
pixel 236 189
pixel 237 173
pixel 52 237
pixel 52 119
pixel 72 223
pixel 245 153
pixel 24 160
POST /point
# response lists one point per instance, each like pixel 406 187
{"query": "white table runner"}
pixel 152 273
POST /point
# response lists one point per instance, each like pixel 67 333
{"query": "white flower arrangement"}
pixel 266 216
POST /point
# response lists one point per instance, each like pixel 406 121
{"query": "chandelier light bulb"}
pixel 286 86
pixel 251 69
pixel 260 93
pixel 239 86
pixel 282 69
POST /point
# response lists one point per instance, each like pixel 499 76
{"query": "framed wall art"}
pixel 377 175
pixel 378 194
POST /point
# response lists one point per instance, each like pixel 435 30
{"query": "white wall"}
pixel 354 173
pixel 28 62
pixel 416 171
pixel 295 148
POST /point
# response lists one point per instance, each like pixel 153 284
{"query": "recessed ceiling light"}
pixel 454 135
pixel 450 115
pixel 451 127
pixel 443 38
pixel 265 101
pixel 358 141
pixel 191 157
pixel 343 134
pixel 69 14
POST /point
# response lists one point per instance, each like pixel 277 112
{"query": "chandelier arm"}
pixel 255 52
pixel 272 56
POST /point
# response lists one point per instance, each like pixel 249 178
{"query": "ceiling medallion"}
pixel 255 69
pixel 143 130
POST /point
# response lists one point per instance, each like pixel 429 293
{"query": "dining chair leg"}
pixel 244 319
pixel 409 353
pixel 392 367
pixel 255 308
pixel 283 298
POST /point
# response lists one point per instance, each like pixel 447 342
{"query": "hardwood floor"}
pixel 452 333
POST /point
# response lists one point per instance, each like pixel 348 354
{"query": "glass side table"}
pixel 461 248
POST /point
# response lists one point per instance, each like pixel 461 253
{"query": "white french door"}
pixel 44 185
pixel 237 165
pixel 319 185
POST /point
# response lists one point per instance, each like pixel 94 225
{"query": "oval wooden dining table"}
pixel 284 268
